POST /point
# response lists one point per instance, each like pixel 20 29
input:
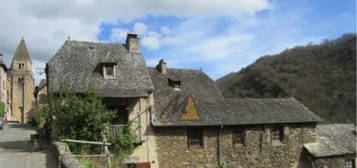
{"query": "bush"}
pixel 2 109
pixel 41 118
pixel 124 142
pixel 80 117
pixel 87 163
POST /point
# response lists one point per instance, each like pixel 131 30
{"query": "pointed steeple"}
pixel 21 53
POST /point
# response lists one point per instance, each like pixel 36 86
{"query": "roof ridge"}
pixel 183 69
pixel 94 42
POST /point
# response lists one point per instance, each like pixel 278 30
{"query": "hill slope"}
pixel 322 77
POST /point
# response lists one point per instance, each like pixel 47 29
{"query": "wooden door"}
pixel 143 165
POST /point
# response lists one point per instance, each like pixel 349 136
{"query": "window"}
pixel 176 85
pixel 238 137
pixel 350 163
pixel 121 114
pixel 109 72
pixel 21 65
pixel 20 80
pixel 195 137
pixel 277 134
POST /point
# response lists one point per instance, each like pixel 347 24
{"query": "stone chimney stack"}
pixel 132 43
pixel 162 66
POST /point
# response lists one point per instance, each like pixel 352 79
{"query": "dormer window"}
pixel 176 85
pixel 109 71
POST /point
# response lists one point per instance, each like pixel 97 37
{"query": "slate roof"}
pixel 333 140
pixel 212 108
pixel 21 52
pixel 77 66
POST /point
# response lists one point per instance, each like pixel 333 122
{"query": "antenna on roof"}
pixel 40 71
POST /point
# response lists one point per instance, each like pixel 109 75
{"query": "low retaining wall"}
pixel 65 157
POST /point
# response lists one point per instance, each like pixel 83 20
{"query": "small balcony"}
pixel 115 129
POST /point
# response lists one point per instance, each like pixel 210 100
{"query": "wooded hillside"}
pixel 322 77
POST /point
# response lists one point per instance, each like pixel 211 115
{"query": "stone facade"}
pixel 257 151
pixel 3 86
pixel 139 118
pixel 146 151
pixel 22 85
pixel 334 162
pixel 41 93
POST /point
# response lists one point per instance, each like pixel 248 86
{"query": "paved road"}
pixel 17 152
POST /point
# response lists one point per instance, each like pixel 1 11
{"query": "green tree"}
pixel 81 117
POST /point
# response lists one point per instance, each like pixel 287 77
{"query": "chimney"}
pixel 162 66
pixel 132 43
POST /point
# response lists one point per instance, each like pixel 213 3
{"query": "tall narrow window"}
pixel 238 137
pixel 20 80
pixel 21 65
pixel 350 163
pixel 277 134
pixel 195 137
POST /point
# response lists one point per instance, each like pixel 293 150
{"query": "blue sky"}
pixel 217 36
pixel 284 24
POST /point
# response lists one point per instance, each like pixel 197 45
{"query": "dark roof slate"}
pixel 21 52
pixel 212 108
pixel 333 140
pixel 76 66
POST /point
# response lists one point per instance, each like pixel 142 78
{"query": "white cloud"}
pixel 140 28
pixel 118 34
pixel 151 42
pixel 165 30
pixel 219 47
pixel 46 24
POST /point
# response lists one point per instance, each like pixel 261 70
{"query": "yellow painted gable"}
pixel 190 111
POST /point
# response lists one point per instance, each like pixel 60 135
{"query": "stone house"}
pixel 41 93
pixel 335 147
pixel 180 116
pixel 21 85
pixel 196 127
pixel 3 84
pixel 119 74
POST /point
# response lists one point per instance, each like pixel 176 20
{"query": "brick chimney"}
pixel 162 66
pixel 132 43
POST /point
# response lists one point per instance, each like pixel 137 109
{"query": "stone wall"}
pixel 65 157
pixel 173 150
pixel 258 150
pixel 333 162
